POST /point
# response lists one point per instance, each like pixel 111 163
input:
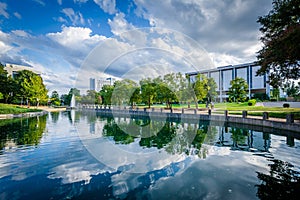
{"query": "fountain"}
pixel 72 108
pixel 73 103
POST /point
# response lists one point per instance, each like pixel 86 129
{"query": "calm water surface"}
pixel 72 155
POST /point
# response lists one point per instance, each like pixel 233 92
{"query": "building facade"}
pixel 13 69
pixel 92 84
pixel 223 75
pixel 97 84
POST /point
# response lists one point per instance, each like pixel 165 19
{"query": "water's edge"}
pixel 266 125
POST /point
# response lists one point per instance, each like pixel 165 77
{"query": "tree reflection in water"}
pixel 111 129
pixel 174 137
pixel 54 116
pixel 282 183
pixel 21 131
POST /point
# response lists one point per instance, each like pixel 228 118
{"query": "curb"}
pixel 28 114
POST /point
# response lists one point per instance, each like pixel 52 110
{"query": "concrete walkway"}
pixel 279 104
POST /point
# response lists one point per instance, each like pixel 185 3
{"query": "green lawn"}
pixel 14 109
pixel 277 112
pixel 237 108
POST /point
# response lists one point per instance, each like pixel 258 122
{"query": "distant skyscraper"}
pixel 105 81
pixel 92 84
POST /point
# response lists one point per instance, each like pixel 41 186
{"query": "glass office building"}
pixel 223 76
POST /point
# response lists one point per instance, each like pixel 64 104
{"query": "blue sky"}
pixel 59 37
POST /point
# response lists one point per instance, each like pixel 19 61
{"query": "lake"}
pixel 87 155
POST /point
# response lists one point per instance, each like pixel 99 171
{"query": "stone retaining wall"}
pixel 159 113
pixel 29 114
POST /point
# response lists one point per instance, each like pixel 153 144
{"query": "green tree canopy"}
pixel 211 89
pixel 123 91
pixel 148 91
pixel 8 86
pixel 106 94
pixel 55 98
pixel 200 88
pixel 238 90
pixel 291 89
pixel 31 86
pixel 280 55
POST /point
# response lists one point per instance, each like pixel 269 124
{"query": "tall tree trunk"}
pixel 149 102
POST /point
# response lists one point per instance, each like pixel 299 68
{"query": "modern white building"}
pixel 223 75
pixel 13 69
pixel 97 84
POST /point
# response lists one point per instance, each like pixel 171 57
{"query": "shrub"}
pixel 261 96
pixel 282 99
pixel 251 102
pixel 286 105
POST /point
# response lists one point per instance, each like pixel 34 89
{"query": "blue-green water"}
pixel 84 156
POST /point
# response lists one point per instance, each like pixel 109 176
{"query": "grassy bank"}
pixel 276 112
pixel 237 108
pixel 14 109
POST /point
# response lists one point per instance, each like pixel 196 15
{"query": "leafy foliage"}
pixel 31 86
pixel 106 94
pixel 148 91
pixel 211 89
pixel 251 102
pixel 29 133
pixel 238 90
pixel 291 89
pixel 280 55
pixel 8 86
pixel 123 91
pixel 55 98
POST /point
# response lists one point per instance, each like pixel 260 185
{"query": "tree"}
pixel 148 91
pixel 200 88
pixel 238 90
pixel 280 55
pixel 8 86
pixel 211 90
pixel 123 91
pixel 106 94
pixel 136 96
pixel 165 94
pixel 92 97
pixel 291 89
pixel 31 87
pixel 55 98
pixel 64 99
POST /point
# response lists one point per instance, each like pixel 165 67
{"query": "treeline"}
pixel 25 88
pixel 168 89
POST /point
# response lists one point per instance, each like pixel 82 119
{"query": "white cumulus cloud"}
pixel 119 24
pixel 76 38
pixel 108 6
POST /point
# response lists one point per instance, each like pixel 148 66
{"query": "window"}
pixel 216 77
pixel 227 77
pixel 257 81
pixel 242 73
